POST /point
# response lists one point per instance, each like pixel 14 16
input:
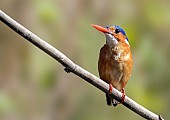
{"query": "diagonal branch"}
pixel 77 70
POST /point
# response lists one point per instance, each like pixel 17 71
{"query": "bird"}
pixel 115 61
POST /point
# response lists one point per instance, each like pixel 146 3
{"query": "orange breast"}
pixel 115 64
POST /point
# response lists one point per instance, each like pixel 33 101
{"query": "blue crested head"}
pixel 121 30
pixel 114 34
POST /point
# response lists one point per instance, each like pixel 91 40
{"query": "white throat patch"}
pixel 111 39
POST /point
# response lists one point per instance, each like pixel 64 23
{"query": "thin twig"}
pixel 72 67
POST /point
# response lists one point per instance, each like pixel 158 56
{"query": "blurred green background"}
pixel 33 86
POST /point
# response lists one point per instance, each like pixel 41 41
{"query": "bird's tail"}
pixel 110 101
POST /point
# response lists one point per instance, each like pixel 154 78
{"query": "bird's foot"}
pixel 115 103
pixel 123 95
pixel 110 88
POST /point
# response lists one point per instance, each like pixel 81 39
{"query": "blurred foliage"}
pixel 33 86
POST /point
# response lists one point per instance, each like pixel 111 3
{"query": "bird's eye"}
pixel 117 31
pixel 107 27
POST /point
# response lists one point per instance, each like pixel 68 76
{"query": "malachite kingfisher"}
pixel 115 61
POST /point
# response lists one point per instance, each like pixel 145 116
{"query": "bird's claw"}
pixel 123 95
pixel 110 88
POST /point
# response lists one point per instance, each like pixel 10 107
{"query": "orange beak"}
pixel 100 28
